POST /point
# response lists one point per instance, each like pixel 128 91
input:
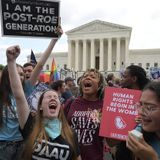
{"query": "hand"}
pixel 141 149
pixel 58 31
pixel 12 53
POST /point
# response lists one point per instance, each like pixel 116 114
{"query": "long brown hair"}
pixel 5 91
pixel 39 133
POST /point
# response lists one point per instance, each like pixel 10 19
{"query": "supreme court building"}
pixel 100 45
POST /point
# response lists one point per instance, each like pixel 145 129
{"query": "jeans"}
pixel 11 150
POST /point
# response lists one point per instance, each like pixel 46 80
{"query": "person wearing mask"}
pixel 48 135
pixel 11 140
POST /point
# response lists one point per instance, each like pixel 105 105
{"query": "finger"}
pixel 130 145
pixel 133 140
pixel 11 50
pixel 142 141
pixel 17 49
pixel 59 21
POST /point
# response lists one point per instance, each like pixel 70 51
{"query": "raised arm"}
pixel 22 106
pixel 44 57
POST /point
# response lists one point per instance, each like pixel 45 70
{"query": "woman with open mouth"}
pixel 48 135
pixel 84 115
pixel 147 147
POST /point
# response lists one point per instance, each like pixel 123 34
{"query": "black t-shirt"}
pixel 57 149
pixel 53 149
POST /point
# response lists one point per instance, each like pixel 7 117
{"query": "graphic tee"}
pixel 57 149
pixel 84 117
pixel 53 149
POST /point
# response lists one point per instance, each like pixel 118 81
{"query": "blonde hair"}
pixel 38 133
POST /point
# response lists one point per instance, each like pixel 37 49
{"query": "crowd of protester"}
pixel 67 116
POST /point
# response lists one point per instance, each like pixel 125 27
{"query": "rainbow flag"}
pixel 54 75
pixel 44 76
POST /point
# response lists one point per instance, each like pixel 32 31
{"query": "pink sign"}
pixel 119 112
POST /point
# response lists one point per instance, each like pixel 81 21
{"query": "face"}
pixel 151 116
pixel 50 105
pixel 70 84
pixel 28 70
pixel 90 84
pixel 21 73
pixel 127 80
pixel 62 89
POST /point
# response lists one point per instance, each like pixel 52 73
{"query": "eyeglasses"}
pixel 147 108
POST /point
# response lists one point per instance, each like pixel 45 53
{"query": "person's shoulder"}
pixel 27 84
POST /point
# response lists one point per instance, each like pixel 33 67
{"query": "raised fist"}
pixel 58 30
pixel 12 52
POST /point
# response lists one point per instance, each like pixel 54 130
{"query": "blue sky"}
pixel 143 16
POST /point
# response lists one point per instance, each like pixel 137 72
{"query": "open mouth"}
pixel 52 106
pixel 27 77
pixel 86 85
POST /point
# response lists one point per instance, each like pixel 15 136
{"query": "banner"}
pixel 34 97
pixel 119 112
pixel 30 17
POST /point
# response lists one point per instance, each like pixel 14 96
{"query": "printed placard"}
pixel 30 17
pixel 119 112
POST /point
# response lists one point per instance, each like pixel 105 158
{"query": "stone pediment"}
pixel 98 26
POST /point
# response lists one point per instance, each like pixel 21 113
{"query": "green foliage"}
pixel 1 66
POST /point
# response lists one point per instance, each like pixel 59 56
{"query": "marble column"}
pixel 101 64
pixel 109 54
pixel 77 55
pixel 92 53
pixel 70 54
pixel 85 58
pixel 118 55
pixel 126 52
